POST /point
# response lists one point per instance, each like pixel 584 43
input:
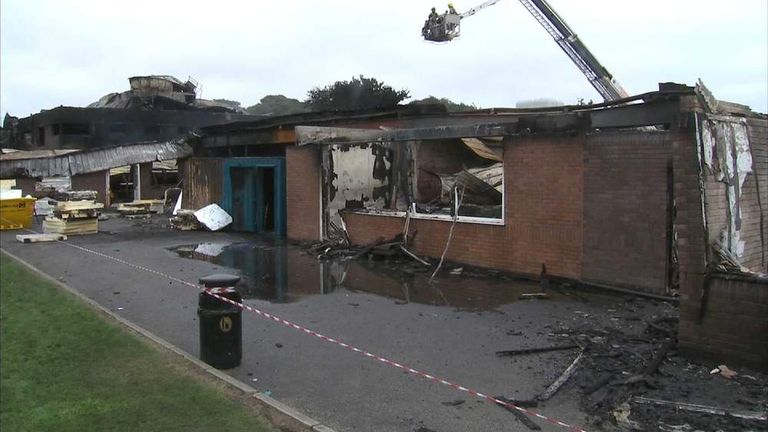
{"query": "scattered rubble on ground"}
pixel 625 368
pixel 185 220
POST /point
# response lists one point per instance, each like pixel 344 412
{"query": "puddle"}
pixel 279 273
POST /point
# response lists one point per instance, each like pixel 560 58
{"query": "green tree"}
pixel 359 93
pixel 450 105
pixel 233 104
pixel 277 105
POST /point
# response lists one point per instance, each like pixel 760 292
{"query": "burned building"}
pixel 156 108
pixel 117 174
pixel 661 193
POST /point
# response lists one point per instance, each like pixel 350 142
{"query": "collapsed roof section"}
pixel 69 163
pixel 164 92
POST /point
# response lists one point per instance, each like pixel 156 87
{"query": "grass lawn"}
pixel 63 367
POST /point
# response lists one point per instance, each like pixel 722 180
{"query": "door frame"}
pixel 278 188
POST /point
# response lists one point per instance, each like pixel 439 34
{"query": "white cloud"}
pixel 73 52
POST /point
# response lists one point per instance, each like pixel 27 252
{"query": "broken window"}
pixel 464 177
pixel 435 179
pixel 361 177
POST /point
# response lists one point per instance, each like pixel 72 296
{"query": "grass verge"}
pixel 63 367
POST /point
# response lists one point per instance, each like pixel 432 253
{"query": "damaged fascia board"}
pixel 334 135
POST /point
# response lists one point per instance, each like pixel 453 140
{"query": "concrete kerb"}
pixel 289 419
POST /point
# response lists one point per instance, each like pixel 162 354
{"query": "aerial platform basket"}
pixel 445 28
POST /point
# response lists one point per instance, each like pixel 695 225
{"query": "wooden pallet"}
pixel 53 225
pixel 10 226
pixel 70 206
pixel 141 206
pixel 35 238
pixel 77 214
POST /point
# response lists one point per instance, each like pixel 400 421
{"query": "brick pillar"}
pixel 692 238
pixel 302 180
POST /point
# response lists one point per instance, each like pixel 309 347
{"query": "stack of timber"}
pixel 73 217
pixel 141 207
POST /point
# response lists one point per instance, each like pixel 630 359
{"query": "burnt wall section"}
pixel 96 181
pixel 733 162
pixel 85 128
pixel 202 180
pixel 723 318
pixel 358 176
pixel 732 325
pixel 303 198
pixel 627 207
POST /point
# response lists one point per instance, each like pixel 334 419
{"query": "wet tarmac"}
pixel 452 328
pixel 270 268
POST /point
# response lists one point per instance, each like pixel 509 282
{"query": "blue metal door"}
pixel 254 194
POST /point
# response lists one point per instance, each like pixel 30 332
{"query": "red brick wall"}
pixel 96 181
pixel 303 192
pixel 544 187
pixel 754 199
pixel 731 324
pixel 732 328
pixel 625 209
pixel 692 238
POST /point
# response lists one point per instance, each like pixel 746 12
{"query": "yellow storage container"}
pixel 16 213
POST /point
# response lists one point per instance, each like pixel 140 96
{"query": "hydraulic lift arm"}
pixel 446 27
pixel 479 7
pixel 596 73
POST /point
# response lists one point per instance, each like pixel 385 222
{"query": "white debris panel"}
pixel 213 217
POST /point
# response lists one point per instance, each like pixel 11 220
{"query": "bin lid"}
pixel 219 280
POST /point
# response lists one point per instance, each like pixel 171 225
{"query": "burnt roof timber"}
pixel 662 112
pixel 424 111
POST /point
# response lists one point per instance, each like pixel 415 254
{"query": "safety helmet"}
pixel 450 4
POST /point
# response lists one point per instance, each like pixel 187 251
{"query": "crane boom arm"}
pixel 596 73
pixel 479 7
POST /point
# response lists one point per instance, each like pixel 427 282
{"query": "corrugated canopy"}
pixel 99 159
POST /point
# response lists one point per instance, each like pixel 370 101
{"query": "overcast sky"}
pixel 56 52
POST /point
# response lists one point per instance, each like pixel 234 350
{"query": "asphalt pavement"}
pixel 342 389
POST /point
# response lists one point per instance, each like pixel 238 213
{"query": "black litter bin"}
pixel 221 336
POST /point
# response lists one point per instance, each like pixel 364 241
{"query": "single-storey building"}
pixel 663 193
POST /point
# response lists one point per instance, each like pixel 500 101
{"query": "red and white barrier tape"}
pixel 334 341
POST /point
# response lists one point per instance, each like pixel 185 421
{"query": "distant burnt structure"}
pixel 156 108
